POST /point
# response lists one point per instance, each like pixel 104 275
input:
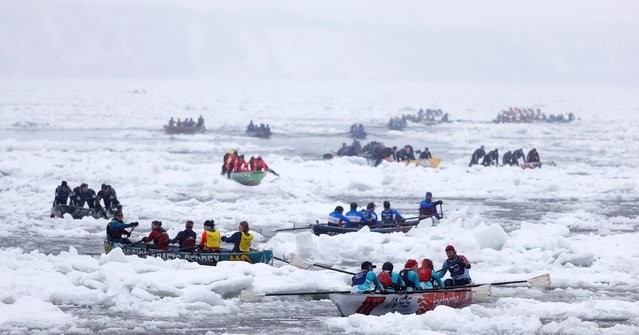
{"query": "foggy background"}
pixel 475 41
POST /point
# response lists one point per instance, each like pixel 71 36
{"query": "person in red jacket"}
pixel 158 236
pixel 239 164
pixel 260 165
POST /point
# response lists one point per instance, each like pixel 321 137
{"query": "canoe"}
pixel 536 165
pixel 79 212
pixel 431 162
pixel 403 303
pixel 249 178
pixel 322 228
pixel 259 133
pixel 202 258
pixel 183 130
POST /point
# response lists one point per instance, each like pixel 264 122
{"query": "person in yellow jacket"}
pixel 242 239
pixel 210 241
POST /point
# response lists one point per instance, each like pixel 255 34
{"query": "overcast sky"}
pixel 593 42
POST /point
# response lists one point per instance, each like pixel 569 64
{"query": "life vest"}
pixel 245 242
pixel 187 243
pixel 456 267
pixel 162 241
pixel 408 282
pixel 386 279
pixel 424 274
pixel 213 239
pixel 114 233
pixel 360 278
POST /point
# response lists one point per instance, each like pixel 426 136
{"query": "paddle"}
pixel 272 171
pixel 299 262
pixel 294 228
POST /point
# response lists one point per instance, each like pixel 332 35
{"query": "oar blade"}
pixel 249 296
pixel 482 291
pixel 540 281
pixel 299 262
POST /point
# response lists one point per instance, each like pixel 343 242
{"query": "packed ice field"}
pixel 110 131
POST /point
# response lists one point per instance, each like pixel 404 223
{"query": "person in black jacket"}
pixel 110 198
pixel 82 194
pixel 186 238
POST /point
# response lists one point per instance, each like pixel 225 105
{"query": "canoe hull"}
pixel 211 259
pixel 319 229
pixel 417 303
pixel 249 178
pixel 78 212
pixel 431 162
pixel 183 130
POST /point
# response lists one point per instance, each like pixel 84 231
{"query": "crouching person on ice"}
pixel 115 229
pixel 366 281
pixel 242 238
pixel 458 266
pixel 158 236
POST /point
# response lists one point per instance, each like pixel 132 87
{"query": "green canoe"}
pixel 250 178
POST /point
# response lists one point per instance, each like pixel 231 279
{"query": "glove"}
pixel 134 224
pixel 438 202
pixel 223 238
pixel 128 234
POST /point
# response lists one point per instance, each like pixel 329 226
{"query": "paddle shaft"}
pixel 294 228
pixel 330 268
pixel 343 292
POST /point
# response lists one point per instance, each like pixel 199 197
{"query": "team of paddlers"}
pixel 82 194
pixel 235 162
pixel 258 131
pixel 509 158
pixel 388 216
pixel 159 239
pixel 377 150
pixel 413 277
pixel 529 115
pixel 186 123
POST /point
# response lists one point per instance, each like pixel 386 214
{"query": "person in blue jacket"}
pixel 458 266
pixel 428 208
pixel 366 281
pixel 369 214
pixel 356 218
pixel 391 281
pixel 337 218
pixel 410 276
pixel 115 229
pixel 389 215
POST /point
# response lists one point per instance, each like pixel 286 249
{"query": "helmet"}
pixel 410 263
pixel 367 265
pixel 388 266
pixel 428 194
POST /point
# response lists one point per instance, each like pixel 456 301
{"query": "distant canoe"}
pixel 183 130
pixel 202 258
pixel 431 162
pixel 537 165
pixel 249 178
pixel 325 229
pixel 79 212
pixel 403 303
pixel 259 133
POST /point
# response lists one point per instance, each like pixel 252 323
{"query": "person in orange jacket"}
pixel 210 241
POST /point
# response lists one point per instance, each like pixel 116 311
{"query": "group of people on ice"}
pixel 258 131
pixel 377 150
pixel 509 158
pixel 82 195
pixel 426 115
pixel 158 238
pixel 234 162
pixel 528 115
pixel 387 217
pixel 413 277
pixel 186 123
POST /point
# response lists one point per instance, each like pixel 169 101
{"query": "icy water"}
pixel 301 316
